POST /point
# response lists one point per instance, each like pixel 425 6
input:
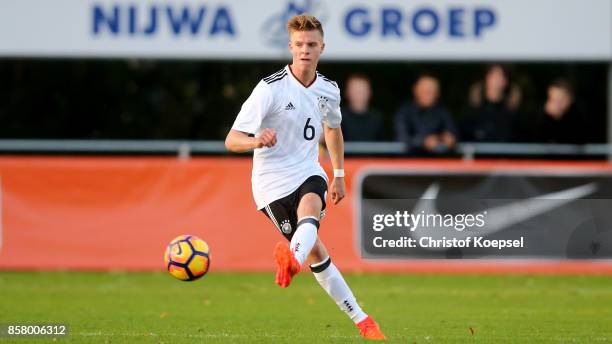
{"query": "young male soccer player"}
pixel 282 121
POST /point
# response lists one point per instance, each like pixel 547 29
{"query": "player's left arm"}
pixel 335 147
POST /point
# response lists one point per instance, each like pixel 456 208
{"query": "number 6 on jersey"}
pixel 309 130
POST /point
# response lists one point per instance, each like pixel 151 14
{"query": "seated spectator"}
pixel 423 124
pixel 560 121
pixel 492 108
pixel 359 121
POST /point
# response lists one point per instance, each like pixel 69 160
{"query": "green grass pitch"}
pixel 124 307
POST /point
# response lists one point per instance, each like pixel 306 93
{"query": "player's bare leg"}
pixel 331 280
pixel 290 257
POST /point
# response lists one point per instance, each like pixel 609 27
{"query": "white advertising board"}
pixel 354 30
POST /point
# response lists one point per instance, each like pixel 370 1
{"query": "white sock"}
pixel 332 281
pixel 304 238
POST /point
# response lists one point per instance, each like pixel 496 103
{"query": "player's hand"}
pixel 338 189
pixel 266 138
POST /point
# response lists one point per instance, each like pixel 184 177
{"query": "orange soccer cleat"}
pixel 369 329
pixel 286 264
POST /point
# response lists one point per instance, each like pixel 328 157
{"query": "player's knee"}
pixel 310 205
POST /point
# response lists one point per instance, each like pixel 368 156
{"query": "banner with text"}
pixel 372 30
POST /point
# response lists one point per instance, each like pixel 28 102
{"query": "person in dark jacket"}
pixel 560 121
pixel 360 122
pixel 493 105
pixel 423 124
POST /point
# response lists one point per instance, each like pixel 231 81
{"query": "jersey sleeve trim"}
pixel 275 77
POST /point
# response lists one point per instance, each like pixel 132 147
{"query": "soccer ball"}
pixel 187 257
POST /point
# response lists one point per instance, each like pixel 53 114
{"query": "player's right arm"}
pixel 240 142
pixel 249 121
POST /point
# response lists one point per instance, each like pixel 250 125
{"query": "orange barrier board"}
pixel 120 212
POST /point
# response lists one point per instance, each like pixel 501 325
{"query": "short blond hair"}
pixel 304 22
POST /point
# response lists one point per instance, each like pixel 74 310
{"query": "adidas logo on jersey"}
pixel 289 106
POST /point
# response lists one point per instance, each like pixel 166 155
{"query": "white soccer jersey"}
pixel 297 113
